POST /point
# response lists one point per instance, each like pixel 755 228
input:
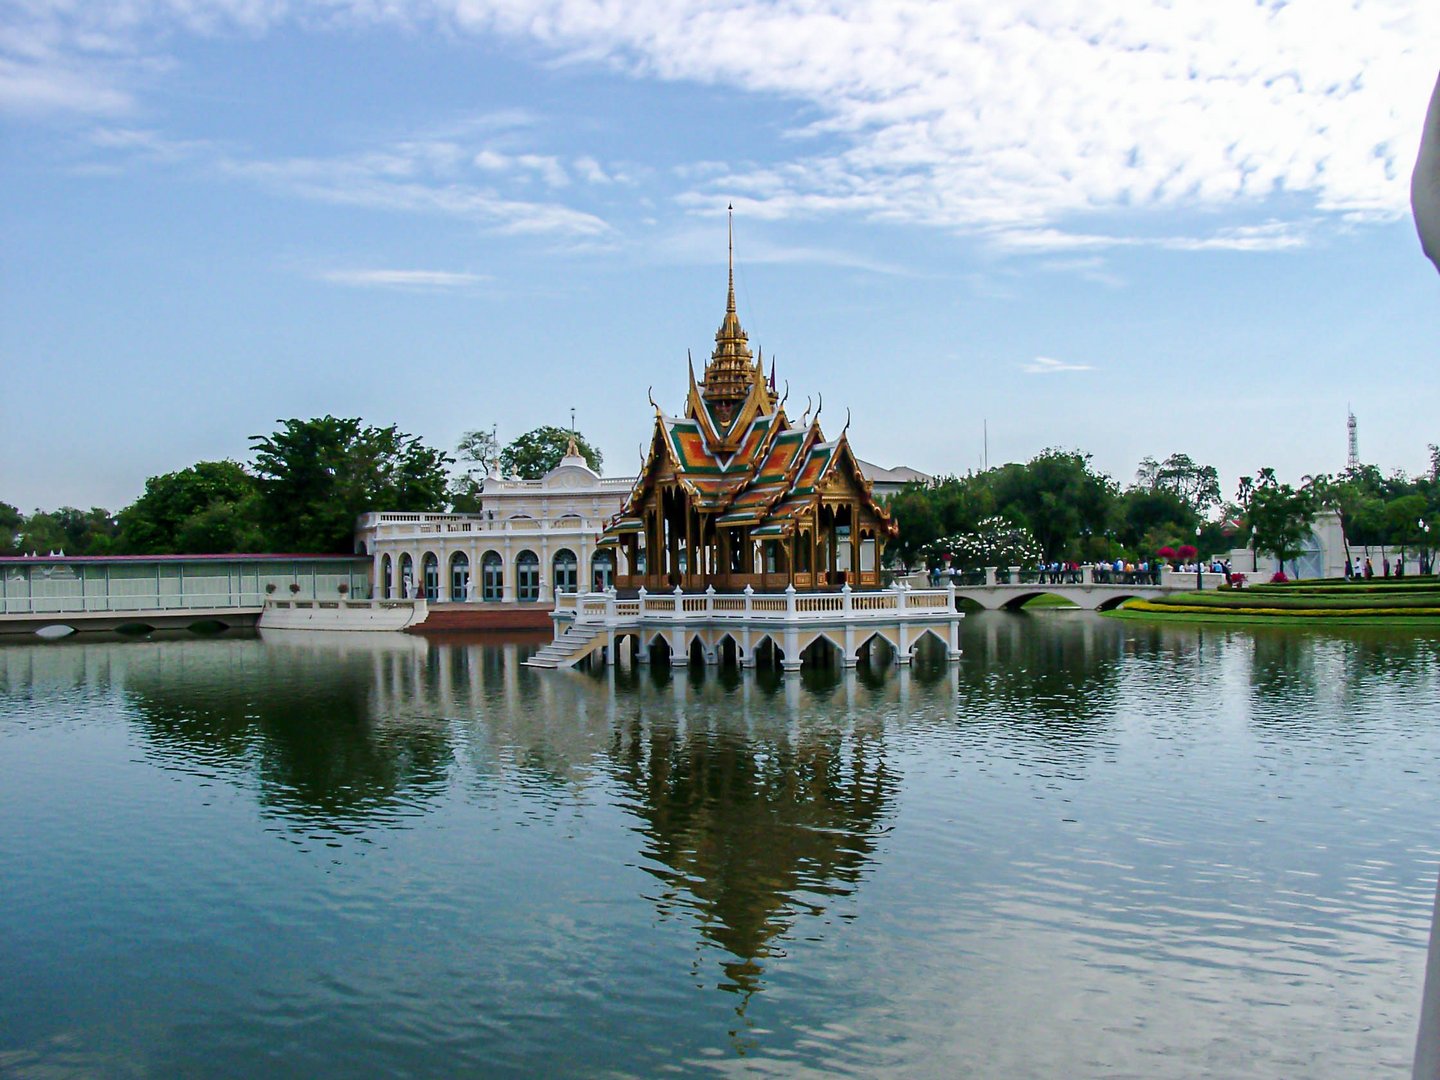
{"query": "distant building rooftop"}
pixel 889 481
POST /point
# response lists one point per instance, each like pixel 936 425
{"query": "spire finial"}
pixel 730 296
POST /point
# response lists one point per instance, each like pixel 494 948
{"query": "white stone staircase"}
pixel 569 648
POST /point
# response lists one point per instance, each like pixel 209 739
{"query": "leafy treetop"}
pixel 317 476
pixel 536 452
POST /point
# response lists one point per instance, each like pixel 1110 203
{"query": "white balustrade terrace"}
pixel 887 605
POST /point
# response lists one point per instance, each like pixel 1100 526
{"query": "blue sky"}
pixel 1130 228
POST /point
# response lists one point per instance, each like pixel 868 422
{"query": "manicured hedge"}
pixel 1341 588
pixel 1238 599
pixel 1430 608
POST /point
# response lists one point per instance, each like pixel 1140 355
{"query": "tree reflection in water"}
pixel 298 723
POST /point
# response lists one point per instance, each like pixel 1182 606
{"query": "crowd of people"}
pixel 1364 571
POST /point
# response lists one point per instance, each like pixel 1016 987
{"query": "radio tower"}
pixel 1353 462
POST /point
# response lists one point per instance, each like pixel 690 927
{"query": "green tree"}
pixel 1147 515
pixel 10 522
pixel 88 532
pixel 1197 486
pixel 536 452
pixel 1057 497
pixel 477 453
pixel 1281 517
pixel 317 476
pixel 73 531
pixel 181 512
pixel 40 534
pixel 913 508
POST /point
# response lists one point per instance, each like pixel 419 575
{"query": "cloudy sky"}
pixel 1129 227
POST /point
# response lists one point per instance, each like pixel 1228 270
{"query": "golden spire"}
pixel 730 294
pixel 727 376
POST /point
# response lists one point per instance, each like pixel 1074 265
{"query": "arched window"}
pixel 527 577
pixel 564 571
pixel 384 582
pixel 432 576
pixel 492 576
pixel 602 571
pixel 459 576
pixel 407 576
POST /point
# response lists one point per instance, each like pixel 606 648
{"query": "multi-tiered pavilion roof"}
pixel 733 494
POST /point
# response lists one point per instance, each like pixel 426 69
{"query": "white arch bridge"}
pixel 1094 588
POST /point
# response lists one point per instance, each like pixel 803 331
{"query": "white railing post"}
pixel 790 603
pixel 845 599
pixel 710 599
pixel 1087 574
pixel 950 592
pixel 749 592
pixel 990 575
pixel 642 594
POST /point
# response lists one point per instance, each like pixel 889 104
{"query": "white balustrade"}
pixel 790 606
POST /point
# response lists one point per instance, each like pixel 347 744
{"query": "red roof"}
pixel 35 560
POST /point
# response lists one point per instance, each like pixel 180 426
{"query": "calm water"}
pixel 1093 849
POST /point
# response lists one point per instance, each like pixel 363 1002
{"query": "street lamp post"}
pixel 1254 553
pixel 1198 583
pixel 1424 546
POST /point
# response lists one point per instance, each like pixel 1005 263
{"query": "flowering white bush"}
pixel 996 541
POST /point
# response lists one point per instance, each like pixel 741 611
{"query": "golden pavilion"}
pixel 732 494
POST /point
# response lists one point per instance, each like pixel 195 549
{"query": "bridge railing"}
pixel 1108 576
pixel 1017 576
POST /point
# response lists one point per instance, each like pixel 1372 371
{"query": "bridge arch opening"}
pixel 660 651
pixel 696 652
pixel 821 653
pixel 767 653
pixel 877 650
pixel 1113 602
pixel 1015 603
pixel 728 650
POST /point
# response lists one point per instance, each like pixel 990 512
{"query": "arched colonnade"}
pixel 509 573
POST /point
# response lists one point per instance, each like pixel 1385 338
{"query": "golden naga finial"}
pixel 650 393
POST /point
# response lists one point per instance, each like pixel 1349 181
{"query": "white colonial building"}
pixel 531 539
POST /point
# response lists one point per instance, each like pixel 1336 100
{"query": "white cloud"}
pixel 385 183
pixel 425 175
pixel 968 115
pixel 37 89
pixel 401 279
pixel 1044 365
